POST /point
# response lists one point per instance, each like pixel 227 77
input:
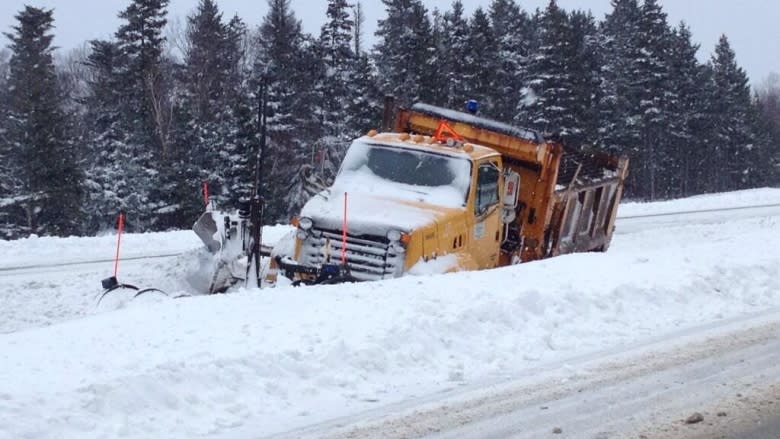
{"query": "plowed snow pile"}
pixel 259 362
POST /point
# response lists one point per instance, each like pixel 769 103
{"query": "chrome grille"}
pixel 368 257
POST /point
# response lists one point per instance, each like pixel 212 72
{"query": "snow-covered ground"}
pixel 259 362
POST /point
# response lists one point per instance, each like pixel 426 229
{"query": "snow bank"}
pixel 260 362
pixel 46 294
pixel 50 250
pixel 746 198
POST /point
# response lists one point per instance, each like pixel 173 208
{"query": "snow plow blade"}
pixel 226 236
pixel 206 229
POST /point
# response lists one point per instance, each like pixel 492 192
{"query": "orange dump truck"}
pixel 441 190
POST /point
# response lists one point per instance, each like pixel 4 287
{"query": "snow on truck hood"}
pixel 375 205
pixel 370 213
pixel 391 188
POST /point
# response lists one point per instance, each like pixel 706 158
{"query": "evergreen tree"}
pixel 236 158
pixel 5 55
pixel 111 170
pixel 761 157
pixel 620 91
pixel 453 49
pixel 404 52
pixel 364 108
pixel 204 71
pixel 768 102
pixel 706 157
pixel 141 40
pixel 215 136
pixel 335 86
pixel 481 61
pixel 655 94
pixel 146 113
pixel 586 78
pixel 734 136
pixel 359 18
pixel 550 77
pixel 45 181
pixel 8 225
pixel 513 33
pixel 689 140
pixel 288 64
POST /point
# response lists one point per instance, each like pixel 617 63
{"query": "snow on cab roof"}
pixel 499 127
pixel 419 142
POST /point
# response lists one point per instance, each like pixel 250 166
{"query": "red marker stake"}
pixel 206 193
pixel 119 241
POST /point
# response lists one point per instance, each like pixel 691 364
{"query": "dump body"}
pixel 448 191
pixel 568 201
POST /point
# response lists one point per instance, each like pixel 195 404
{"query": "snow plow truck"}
pixel 439 191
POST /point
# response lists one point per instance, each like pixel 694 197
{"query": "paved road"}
pixel 631 224
pixel 731 370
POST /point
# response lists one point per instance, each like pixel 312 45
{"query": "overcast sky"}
pixel 753 26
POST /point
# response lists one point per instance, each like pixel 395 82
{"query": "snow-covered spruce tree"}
pixel 586 77
pixel 213 115
pixel 334 88
pixel 112 171
pixel 46 184
pixel 5 55
pixel 656 95
pixel 747 152
pixel 288 65
pixel 550 77
pixel 8 226
pixel 366 104
pixel 735 137
pixel 481 62
pixel 620 92
pixel 204 74
pixel 404 52
pixel 146 114
pixel 364 110
pixel 236 159
pixel 452 50
pixel 438 94
pixel 706 156
pixel 768 102
pixel 690 139
pixel 762 167
pixel 513 33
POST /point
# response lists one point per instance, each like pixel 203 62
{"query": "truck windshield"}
pixel 404 173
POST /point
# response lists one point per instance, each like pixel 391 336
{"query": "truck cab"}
pixel 407 202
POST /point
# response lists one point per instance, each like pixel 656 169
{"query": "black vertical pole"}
pixel 256 204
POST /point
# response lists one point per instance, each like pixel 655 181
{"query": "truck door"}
pixel 486 227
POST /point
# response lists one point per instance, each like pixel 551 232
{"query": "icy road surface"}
pixel 728 373
pixel 258 363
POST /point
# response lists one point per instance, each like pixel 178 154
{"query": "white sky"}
pixel 753 26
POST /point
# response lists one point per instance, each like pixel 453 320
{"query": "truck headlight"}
pixel 305 223
pixel 394 235
pixel 301 234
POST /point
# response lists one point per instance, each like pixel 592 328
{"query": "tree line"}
pixel 139 122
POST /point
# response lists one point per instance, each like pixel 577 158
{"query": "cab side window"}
pixel 487 187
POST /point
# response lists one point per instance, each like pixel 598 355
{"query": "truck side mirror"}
pixel 511 196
